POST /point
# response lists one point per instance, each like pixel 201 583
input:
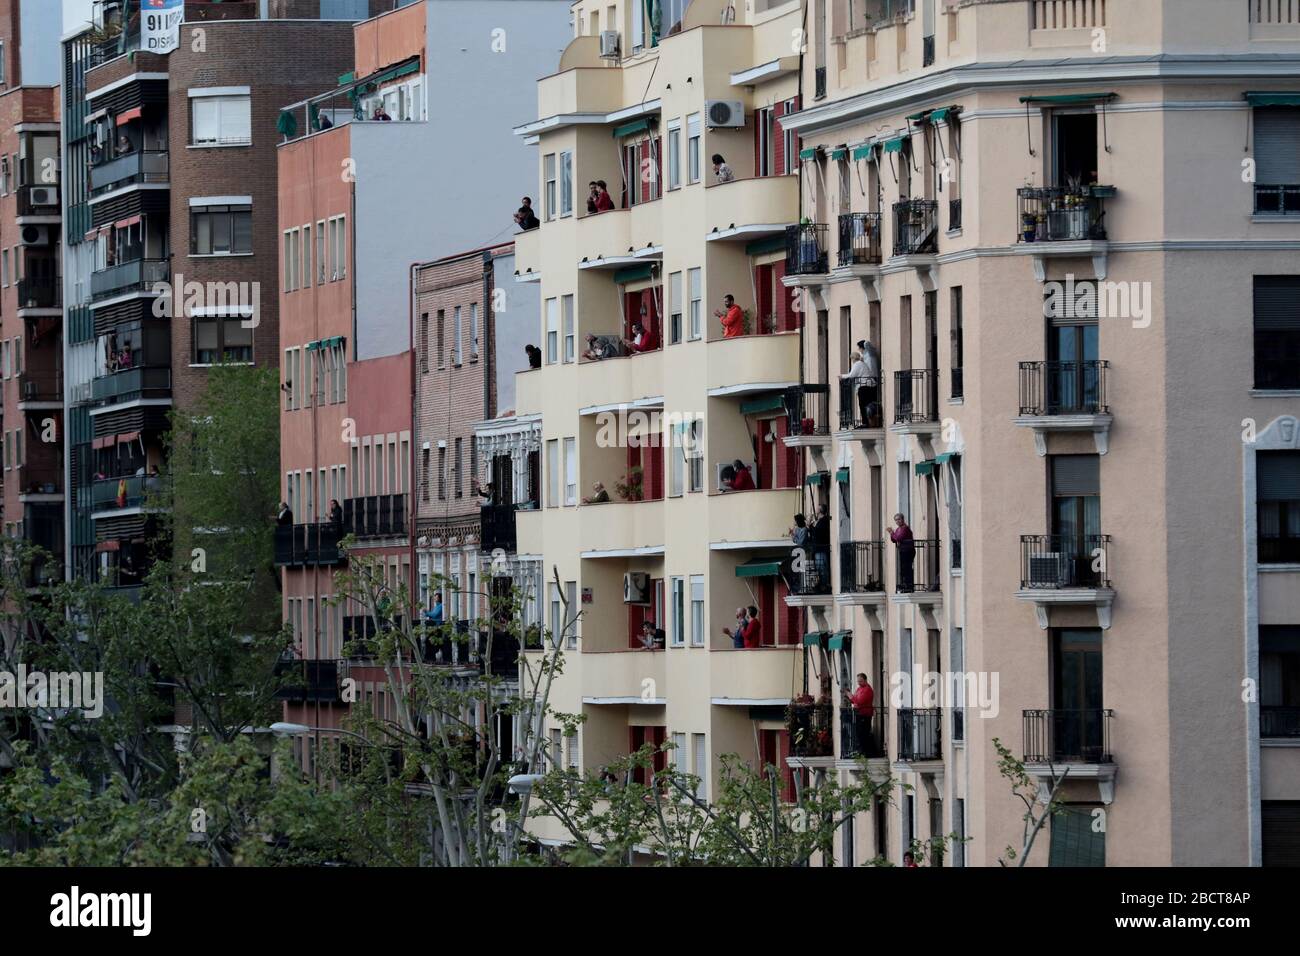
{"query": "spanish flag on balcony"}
pixel 121 493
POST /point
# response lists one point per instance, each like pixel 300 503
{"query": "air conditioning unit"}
pixel 609 44
pixel 35 236
pixel 717 471
pixel 45 195
pixel 1050 570
pixel 636 587
pixel 724 113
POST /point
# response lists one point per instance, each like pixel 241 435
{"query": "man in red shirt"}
pixel 743 481
pixel 604 201
pixel 862 699
pixel 753 630
pixel 733 319
pixel 642 340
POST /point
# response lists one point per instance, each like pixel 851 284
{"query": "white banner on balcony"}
pixel 160 25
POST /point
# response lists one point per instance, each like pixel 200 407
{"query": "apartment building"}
pixel 372 250
pixel 638 448
pixel 170 161
pixel 1069 230
pixel 31 399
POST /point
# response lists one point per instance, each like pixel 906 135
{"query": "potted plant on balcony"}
pixel 630 486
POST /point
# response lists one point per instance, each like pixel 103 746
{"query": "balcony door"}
pixel 1076 515
pixel 1074 148
pixel 503 476
pixel 1071 379
pixel 1076 731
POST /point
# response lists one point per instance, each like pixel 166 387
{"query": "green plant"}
pixel 630 486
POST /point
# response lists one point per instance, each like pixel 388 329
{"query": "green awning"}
pixel 763 246
pixel 842 476
pixel 1066 99
pixel 839 154
pixel 810 153
pixel 771 402
pixel 312 346
pixel 894 145
pixel 627 129
pixel 346 78
pixel 759 568
pixel 919 117
pixel 925 467
pixel 1273 99
pixel 632 274
pixel 287 124
pixel 863 151
pixel 330 343
pixel 815 478
pixel 836 643
pixel 813 639
pixel 945 457
pixel 406 69
pixel 941 113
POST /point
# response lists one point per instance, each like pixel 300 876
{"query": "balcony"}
pixel 862 572
pixel 40 292
pixel 1275 721
pixel 117 494
pixel 622 528
pixel 1077 741
pixel 859 239
pixel 916 402
pixel 620 676
pixel 39 203
pixel 137 275
pixel 808 410
pixel 863 737
pixel 920 735
pixel 315 680
pixel 917 571
pixel 375 516
pixel 136 168
pixel 805 250
pixel 860 407
pixel 745 210
pixel 1064 397
pixel 1056 221
pixel 1066 570
pixel 738 365
pixel 40 389
pixel 811 729
pixel 746 519
pixel 302 545
pixel 1274 200
pixel 916 227
pixel 497 528
pixel 747 677
pixel 131 384
pixel 810 577
pixel 40 481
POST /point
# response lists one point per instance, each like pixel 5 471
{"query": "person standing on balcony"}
pixel 738 635
pixel 743 480
pixel 799 533
pixel 721 170
pixel 534 356
pixel 642 339
pixel 284 516
pixel 733 318
pixel 604 202
pixel 819 540
pixel 599 494
pixel 434 615
pixel 902 537
pixel 862 699
pixel 336 515
pixel 753 630
pixel 525 218
pixel 593 196
pixel 862 383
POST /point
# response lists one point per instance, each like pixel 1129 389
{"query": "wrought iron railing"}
pixel 810 725
pixel 1058 561
pixel 916 396
pixel 916 566
pixel 862 566
pixel 1067 736
pixel 860 404
pixel 920 733
pixel 805 249
pixel 859 238
pixel 808 409
pixel 916 227
pixel 1060 213
pixel 1063 388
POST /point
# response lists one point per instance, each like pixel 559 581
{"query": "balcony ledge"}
pixel 1102 773
pixel 930 767
pixel 809 600
pixel 1042 425
pixel 806 441
pixel 529 276
pixel 1095 249
pixel 924 598
pixel 876 768
pixel 1044 599
pixel 39 497
pixel 916 428
pixel 872 438
pixel 40 405
pixel 926 264
pixel 747 232
pixel 861 598
pixel 811 763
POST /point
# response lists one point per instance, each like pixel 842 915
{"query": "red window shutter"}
pixel 787 773
pixel 789 460
pixel 766 451
pixel 767 609
pixel 654 472
pixel 658 154
pixel 759 117
pixel 787 316
pixel 778 147
pixel 792 618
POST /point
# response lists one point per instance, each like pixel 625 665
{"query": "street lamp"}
pixel 522 783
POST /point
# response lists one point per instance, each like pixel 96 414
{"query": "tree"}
pixel 1039 807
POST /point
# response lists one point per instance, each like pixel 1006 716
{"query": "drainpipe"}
pixel 415 398
pixel 487 356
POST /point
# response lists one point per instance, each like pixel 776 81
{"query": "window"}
pixel 442 472
pixel 222 339
pixel 228 230
pixel 290 261
pixel 1277 487
pixel 337 248
pixel 571 621
pixel 473 331
pixel 638 28
pixel 674 154
pixel 676 460
pixel 570 471
pixel 674 308
pixel 700 766
pixel 1277 161
pixel 695 455
pixel 696 279
pixel 570 334
pixel 424 474
pixel 1277 332
pixel 764 127
pixel 290 361
pixel 677 591
pixel 955 335
pixel 424 342
pixel 566 184
pixel 693 147
pixel 552 331
pixel 456 331
pixel 549 196
pixel 1078 838
pixel 220 121
pixel 1279 681
pixel 320 252
pixel 790 141
pixel 307 270
pixel 697 610
pixel 456 472
pixel 553 473
pixel 442 345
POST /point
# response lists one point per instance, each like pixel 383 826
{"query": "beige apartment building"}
pixel 1069 230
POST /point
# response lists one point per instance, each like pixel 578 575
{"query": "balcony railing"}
pixel 130 384
pixel 859 238
pixel 1067 736
pixel 1271 200
pixel 860 405
pixel 862 566
pixel 137 275
pixel 916 227
pixel 810 726
pixel 109 494
pixel 819 83
pixel 863 736
pixel 807 408
pixel 41 386
pixel 38 478
pixel 810 574
pixel 1063 388
pixel 40 292
pixel 920 733
pixel 805 249
pixel 916 396
pixel 375 516
pixel 141 166
pixel 917 568
pixel 927 51
pixel 1059 561
pixel 497 528
pixel 307 544
pixel 1061 214
pixel 309 680
pixel 1275 721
